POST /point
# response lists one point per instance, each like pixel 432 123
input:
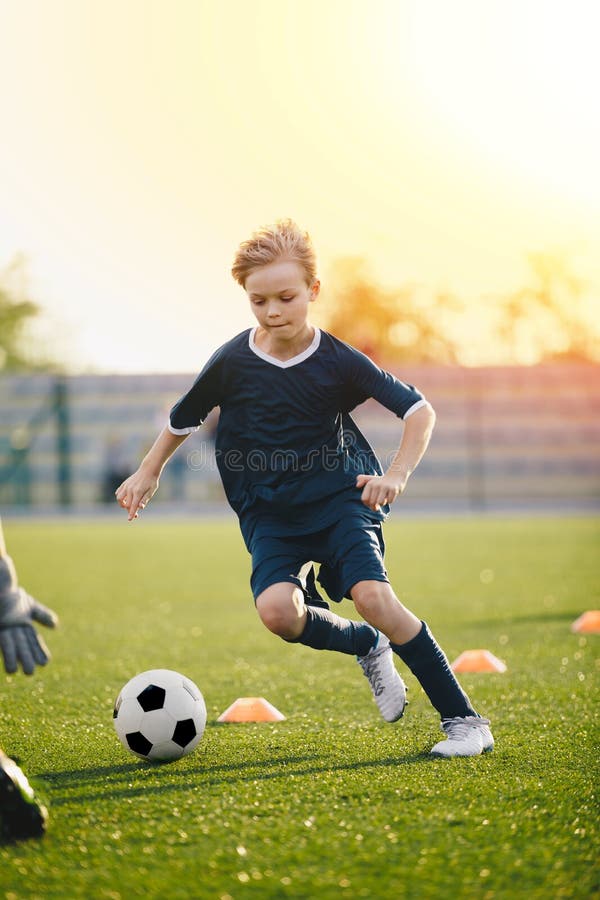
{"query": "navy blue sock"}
pixel 427 661
pixel 326 631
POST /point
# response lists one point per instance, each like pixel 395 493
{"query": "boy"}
pixel 21 815
pixel 306 485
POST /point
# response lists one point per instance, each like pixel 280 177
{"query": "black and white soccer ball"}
pixel 160 715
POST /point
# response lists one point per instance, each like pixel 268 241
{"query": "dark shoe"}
pixel 21 814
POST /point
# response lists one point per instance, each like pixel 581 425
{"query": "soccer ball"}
pixel 160 715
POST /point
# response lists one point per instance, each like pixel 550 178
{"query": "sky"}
pixel 142 140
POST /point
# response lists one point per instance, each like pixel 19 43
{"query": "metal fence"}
pixel 508 434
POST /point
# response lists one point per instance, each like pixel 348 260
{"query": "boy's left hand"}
pixel 379 490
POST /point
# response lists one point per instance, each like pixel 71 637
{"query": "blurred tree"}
pixel 17 310
pixel 401 325
pixel 547 320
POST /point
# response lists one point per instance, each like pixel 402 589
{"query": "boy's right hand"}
pixel 136 492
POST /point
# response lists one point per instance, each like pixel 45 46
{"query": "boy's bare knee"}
pixel 372 596
pixel 377 603
pixel 282 610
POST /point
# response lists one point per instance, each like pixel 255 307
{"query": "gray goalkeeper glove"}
pixel 20 644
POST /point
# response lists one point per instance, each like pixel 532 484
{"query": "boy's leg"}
pixel 412 641
pixel 467 733
pixel 429 664
pixel 283 610
pixel 410 638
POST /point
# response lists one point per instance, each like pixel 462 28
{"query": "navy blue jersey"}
pixel 287 449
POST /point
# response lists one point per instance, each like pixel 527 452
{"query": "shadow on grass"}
pixel 209 776
pixel 141 767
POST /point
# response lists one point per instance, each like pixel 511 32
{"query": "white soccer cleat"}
pixel 467 736
pixel 388 688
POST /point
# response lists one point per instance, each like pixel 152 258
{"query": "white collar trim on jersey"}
pixel 285 363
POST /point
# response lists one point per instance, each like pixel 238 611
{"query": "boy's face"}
pixel 279 298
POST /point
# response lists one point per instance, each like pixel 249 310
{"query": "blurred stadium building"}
pixel 506 437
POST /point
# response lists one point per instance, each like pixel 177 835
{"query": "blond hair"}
pixel 270 243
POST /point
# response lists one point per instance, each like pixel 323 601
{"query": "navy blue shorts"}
pixel 348 552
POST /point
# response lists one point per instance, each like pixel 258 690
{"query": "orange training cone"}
pixel 478 661
pixel 251 709
pixel 588 622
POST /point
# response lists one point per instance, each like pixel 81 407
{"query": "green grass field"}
pixel 333 801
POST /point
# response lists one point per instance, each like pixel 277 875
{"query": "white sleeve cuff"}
pixel 418 405
pixel 182 430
